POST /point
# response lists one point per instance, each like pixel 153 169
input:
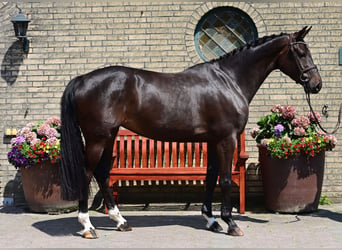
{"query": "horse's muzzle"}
pixel 317 88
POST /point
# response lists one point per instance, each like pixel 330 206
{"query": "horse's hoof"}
pixel 124 227
pixel 215 227
pixel 235 232
pixel 90 234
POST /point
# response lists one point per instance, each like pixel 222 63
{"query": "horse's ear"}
pixel 302 33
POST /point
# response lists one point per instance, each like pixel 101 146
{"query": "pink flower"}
pixel 287 139
pixel 52 140
pixel 288 112
pixel 312 118
pixel 265 142
pixel 299 131
pixel 31 124
pixel 254 132
pixel 321 132
pixel 51 133
pixel 301 121
pixel 277 108
pixel 24 131
pixel 30 137
pixel 34 141
pixel 43 129
pixel 332 139
pixel 54 120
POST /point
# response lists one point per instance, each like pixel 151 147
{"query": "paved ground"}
pixel 172 227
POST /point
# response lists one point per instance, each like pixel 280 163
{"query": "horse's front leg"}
pixel 211 179
pixel 113 210
pixel 102 177
pixel 225 150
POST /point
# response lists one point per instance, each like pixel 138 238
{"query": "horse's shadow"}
pixel 70 226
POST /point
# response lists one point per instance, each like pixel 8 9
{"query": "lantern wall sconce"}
pixel 20 24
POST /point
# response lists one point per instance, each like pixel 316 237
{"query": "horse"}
pixel 207 102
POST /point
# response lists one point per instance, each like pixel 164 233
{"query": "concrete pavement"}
pixel 172 228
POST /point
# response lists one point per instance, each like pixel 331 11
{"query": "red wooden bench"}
pixel 137 158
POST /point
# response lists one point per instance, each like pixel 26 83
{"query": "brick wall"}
pixel 71 38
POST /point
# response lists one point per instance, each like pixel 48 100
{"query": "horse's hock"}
pixel 137 158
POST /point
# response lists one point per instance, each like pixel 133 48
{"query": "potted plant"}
pixel 292 156
pixel 35 152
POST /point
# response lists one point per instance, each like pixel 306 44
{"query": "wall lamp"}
pixel 20 24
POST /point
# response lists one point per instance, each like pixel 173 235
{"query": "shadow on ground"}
pixel 324 213
pixel 68 226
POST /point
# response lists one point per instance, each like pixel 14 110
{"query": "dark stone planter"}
pixel 293 185
pixel 42 190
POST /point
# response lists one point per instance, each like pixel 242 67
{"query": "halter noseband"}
pixel 303 76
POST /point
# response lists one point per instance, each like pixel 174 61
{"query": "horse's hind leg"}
pixel 102 177
pixel 211 179
pixel 88 231
pixel 93 154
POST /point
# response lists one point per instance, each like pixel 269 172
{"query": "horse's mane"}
pixel 250 44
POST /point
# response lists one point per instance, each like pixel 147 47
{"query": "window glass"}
pixel 222 30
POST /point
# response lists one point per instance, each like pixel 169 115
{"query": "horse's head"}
pixel 297 63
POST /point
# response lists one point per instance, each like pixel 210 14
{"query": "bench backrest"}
pixel 134 151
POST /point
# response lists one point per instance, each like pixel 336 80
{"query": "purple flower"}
pixel 18 140
pixel 278 130
pixel 17 159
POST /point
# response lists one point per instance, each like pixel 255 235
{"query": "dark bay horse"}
pixel 207 102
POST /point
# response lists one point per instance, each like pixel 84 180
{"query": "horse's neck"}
pixel 253 65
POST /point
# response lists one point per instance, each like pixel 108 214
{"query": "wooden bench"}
pixel 137 158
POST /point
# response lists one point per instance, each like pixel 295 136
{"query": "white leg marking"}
pixel 211 220
pixel 84 219
pixel 115 215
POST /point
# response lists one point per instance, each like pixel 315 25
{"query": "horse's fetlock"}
pixel 206 212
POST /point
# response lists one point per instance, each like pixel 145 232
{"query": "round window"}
pixel 222 30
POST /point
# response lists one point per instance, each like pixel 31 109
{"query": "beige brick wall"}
pixel 71 38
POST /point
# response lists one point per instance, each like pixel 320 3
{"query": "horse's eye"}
pixel 301 53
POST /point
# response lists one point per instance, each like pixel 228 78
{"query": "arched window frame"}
pixel 218 43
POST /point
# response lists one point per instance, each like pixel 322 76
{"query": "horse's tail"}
pixel 72 167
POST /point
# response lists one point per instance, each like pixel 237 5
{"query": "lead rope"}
pixel 312 111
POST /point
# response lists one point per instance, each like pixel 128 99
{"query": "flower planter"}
pixel 292 185
pixel 42 189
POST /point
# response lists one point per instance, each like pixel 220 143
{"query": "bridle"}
pixel 305 80
pixel 303 69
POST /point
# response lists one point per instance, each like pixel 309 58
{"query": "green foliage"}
pixel 324 200
pixel 284 133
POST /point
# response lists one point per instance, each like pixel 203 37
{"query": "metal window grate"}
pixel 222 30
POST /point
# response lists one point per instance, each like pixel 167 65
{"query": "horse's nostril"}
pixel 318 87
